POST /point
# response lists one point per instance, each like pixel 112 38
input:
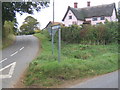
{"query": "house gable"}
pixel 114 15
pixel 77 14
pixel 70 18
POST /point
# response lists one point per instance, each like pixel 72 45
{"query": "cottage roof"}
pixel 95 11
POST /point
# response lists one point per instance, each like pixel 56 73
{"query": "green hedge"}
pixel 7 34
pixel 91 34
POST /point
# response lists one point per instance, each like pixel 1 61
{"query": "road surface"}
pixel 16 58
pixel 104 81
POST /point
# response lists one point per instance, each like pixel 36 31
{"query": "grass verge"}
pixel 77 62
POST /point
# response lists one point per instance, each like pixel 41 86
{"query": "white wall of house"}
pixel 80 22
pixel 114 18
pixel 95 22
pixel 68 21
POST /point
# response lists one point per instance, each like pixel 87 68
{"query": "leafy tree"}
pixel 29 25
pixel 8 28
pixel 9 9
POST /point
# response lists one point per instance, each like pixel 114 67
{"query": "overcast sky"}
pixel 46 15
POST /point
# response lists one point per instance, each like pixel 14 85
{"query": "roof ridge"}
pixel 92 6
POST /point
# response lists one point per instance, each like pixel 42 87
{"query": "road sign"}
pixel 54 29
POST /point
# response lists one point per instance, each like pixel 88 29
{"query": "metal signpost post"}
pixel 52 42
pixel 59 44
pixel 54 29
pixel 52 32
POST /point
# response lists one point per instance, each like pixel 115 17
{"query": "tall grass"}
pixel 77 61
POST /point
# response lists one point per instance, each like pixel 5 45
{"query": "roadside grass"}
pixel 77 62
pixel 7 41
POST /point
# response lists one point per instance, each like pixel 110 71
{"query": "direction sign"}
pixel 56 27
pixel 52 30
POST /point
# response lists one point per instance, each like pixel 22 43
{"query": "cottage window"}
pixel 70 17
pixel 102 18
pixel 74 22
pixel 94 18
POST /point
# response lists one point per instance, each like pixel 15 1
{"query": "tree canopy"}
pixel 29 25
pixel 9 9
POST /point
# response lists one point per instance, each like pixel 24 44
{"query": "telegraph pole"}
pixel 53 11
pixel 52 31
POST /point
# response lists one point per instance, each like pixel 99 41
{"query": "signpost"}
pixel 59 44
pixel 52 32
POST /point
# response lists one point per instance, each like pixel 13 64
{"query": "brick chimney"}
pixel 75 4
pixel 88 3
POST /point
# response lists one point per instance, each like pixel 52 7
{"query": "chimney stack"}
pixel 75 4
pixel 88 3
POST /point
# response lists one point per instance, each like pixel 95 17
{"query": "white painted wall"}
pixel 95 22
pixel 69 22
pixel 80 22
pixel 114 18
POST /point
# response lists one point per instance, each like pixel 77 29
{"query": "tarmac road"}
pixel 16 58
pixel 109 80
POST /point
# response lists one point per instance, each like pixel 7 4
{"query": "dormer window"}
pixel 70 17
pixel 102 18
pixel 94 18
pixel 74 22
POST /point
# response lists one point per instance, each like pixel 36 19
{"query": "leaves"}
pixel 29 25
pixel 89 34
pixel 10 8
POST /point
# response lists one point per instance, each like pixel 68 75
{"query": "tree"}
pixel 29 25
pixel 9 9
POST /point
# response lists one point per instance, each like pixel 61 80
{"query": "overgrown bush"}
pixel 7 29
pixel 7 34
pixel 71 34
pixel 91 34
pixel 37 31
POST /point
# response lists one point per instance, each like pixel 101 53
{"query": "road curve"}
pixel 109 80
pixel 16 58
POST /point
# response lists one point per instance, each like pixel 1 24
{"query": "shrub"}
pixel 91 34
pixel 7 34
pixel 7 29
pixel 71 34
pixel 37 31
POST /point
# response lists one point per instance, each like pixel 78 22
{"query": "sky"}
pixel 46 14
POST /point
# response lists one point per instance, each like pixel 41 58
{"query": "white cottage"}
pixel 90 15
